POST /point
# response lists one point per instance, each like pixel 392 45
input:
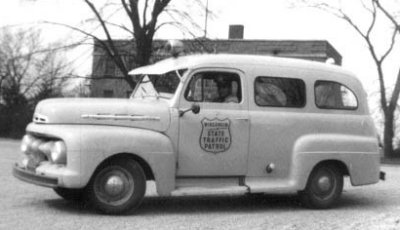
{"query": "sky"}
pixel 262 19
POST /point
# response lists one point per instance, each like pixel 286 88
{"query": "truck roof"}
pixel 236 61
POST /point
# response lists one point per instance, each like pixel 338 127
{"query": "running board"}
pixel 237 190
pixel 209 186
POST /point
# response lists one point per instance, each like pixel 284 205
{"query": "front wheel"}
pixel 117 187
pixel 324 187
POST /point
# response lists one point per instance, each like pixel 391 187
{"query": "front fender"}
pixel 89 145
pixel 358 153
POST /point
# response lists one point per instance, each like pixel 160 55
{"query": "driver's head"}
pixel 224 89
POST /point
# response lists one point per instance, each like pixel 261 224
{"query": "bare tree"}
pixel 365 29
pixel 143 31
pixel 143 22
pixel 28 72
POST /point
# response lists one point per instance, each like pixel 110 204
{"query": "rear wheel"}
pixel 117 187
pixel 324 187
pixel 70 194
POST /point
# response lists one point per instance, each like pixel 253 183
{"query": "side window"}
pixel 218 87
pixel 279 92
pixel 333 95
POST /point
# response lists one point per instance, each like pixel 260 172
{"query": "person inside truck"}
pixel 227 91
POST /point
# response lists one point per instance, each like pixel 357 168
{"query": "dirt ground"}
pixel 26 206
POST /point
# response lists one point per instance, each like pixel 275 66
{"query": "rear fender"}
pixel 359 154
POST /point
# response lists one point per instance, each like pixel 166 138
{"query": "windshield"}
pixel 158 85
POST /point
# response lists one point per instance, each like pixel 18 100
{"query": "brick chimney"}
pixel 236 31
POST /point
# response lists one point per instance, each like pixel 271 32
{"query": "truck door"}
pixel 214 142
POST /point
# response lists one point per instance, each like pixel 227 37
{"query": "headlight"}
pixel 26 142
pixel 59 153
pixel 46 148
pixel 39 149
pixel 56 151
pixel 34 147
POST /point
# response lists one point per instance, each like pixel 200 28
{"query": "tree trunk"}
pixel 143 51
pixel 388 133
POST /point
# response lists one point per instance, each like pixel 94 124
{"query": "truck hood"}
pixel 141 113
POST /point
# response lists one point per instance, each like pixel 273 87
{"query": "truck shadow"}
pixel 72 207
pixel 191 204
pixel 216 203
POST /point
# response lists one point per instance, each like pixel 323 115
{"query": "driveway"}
pixel 26 206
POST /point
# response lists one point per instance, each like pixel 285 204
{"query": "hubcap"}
pixel 324 183
pixel 114 185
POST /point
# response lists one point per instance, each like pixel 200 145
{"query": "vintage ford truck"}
pixel 249 124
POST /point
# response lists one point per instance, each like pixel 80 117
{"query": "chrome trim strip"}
pixel 120 117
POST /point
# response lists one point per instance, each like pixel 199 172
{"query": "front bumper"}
pixel 34 178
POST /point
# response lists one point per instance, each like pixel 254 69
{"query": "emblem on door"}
pixel 215 135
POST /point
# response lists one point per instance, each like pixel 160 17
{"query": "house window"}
pixel 108 93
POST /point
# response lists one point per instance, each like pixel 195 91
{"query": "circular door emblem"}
pixel 215 135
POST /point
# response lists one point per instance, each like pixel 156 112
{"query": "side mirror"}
pixel 194 108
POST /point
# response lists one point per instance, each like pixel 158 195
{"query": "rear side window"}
pixel 333 95
pixel 279 92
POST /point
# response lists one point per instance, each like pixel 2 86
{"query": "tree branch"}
pixel 121 27
pixel 395 94
pixel 391 46
pixel 388 15
pixel 373 12
pixel 113 52
pixel 133 13
pixel 158 8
